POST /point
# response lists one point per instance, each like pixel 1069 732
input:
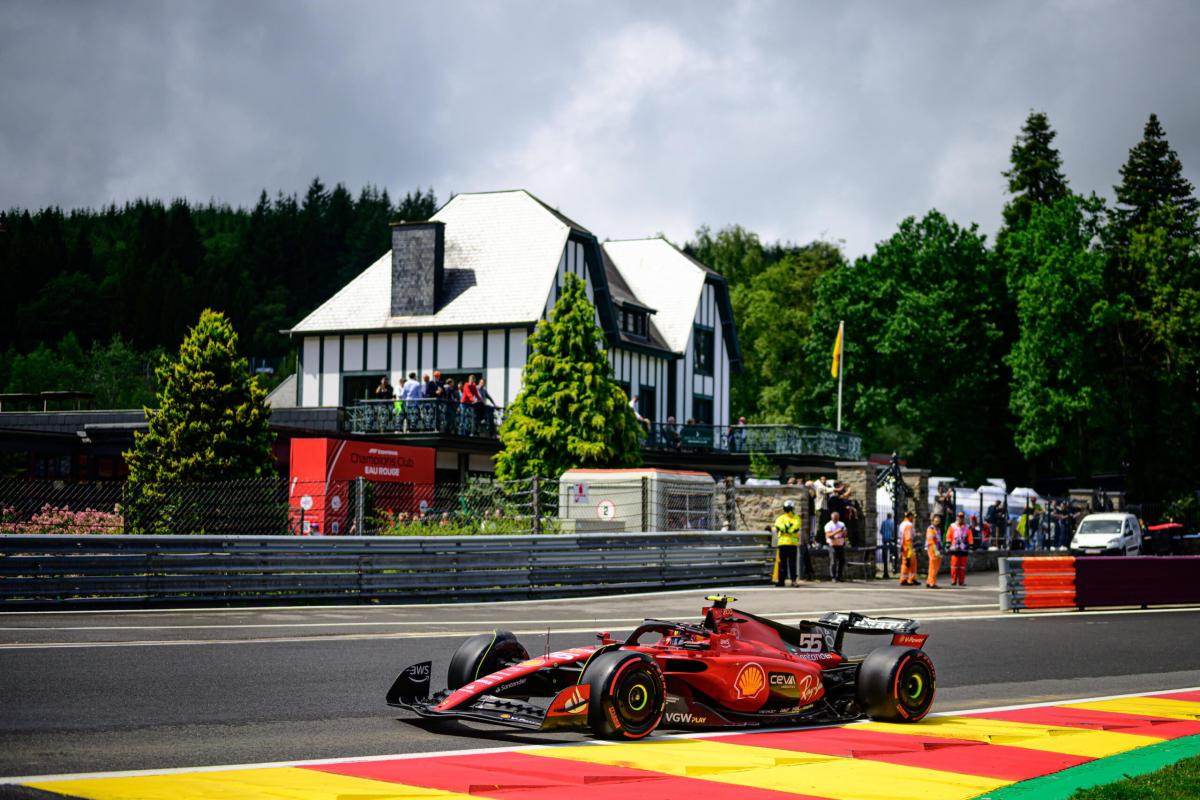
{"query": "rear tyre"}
pixel 482 655
pixel 896 684
pixel 627 695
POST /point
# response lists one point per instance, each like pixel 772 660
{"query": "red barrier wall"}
pixel 1137 580
pixel 323 473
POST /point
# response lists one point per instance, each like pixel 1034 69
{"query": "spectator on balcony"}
pixel 433 386
pixel 470 397
pixel 670 433
pixel 412 388
pixel 484 396
pixel 633 403
pixel 450 391
pixel 737 436
pixel 384 390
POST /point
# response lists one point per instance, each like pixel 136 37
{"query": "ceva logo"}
pixel 750 682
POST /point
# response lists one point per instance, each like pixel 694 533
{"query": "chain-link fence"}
pixel 582 503
pixel 228 508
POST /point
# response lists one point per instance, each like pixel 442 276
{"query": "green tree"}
pixel 212 422
pixel 734 252
pixel 922 351
pixel 570 412
pixel 1152 180
pixel 1152 279
pixel 1060 391
pixel 774 313
pixel 120 376
pixel 1036 177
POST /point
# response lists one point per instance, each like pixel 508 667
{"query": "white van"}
pixel 1113 534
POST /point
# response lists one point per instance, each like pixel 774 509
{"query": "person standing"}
pixel 960 540
pixel 908 552
pixel 470 398
pixel 384 390
pixel 821 492
pixel 933 549
pixel 787 526
pixel 835 534
pixel 887 537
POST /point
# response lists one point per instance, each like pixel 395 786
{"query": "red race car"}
pixel 733 670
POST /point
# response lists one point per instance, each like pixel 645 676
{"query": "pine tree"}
pixel 1152 181
pixel 570 412
pixel 212 423
pixel 1036 176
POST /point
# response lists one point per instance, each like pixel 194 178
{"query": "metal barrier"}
pixel 62 570
pixel 1096 582
pixel 1037 583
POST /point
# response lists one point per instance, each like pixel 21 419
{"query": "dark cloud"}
pixel 798 120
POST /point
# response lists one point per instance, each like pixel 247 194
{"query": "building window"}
pixel 702 350
pixel 702 410
pixel 634 323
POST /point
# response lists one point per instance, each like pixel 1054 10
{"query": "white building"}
pixel 462 293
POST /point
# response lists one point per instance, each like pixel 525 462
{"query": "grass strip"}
pixel 1180 781
pixel 1062 785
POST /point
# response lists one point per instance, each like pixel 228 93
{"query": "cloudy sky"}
pixel 797 120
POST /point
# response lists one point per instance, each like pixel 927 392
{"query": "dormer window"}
pixel 634 322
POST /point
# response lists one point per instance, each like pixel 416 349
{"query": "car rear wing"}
pixel 903 631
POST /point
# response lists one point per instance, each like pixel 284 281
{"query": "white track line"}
pixel 427 623
pixel 816 586
pixel 516 629
pixel 483 750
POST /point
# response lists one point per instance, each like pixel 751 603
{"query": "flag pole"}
pixel 841 367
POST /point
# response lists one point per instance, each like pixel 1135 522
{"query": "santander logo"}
pixel 750 682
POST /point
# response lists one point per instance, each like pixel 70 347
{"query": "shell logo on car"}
pixel 750 682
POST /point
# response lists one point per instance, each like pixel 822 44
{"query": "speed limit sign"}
pixel 606 510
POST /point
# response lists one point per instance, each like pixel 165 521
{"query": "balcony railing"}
pixel 432 416
pixel 444 417
pixel 771 439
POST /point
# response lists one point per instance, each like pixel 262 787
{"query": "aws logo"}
pixel 750 682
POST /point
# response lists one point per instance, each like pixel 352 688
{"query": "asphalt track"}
pixel 101 691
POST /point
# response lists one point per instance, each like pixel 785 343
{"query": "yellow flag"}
pixel 837 350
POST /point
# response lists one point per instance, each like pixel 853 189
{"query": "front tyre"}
pixel 482 655
pixel 628 694
pixel 896 684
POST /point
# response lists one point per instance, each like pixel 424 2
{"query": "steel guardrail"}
pixel 52 570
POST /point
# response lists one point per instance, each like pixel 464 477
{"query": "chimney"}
pixel 417 254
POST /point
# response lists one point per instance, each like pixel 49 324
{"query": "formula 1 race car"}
pixel 733 670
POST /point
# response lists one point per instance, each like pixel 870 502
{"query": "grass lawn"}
pixel 1179 781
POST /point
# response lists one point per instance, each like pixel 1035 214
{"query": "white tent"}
pixel 1019 497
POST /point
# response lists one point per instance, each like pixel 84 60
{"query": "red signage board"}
pixel 322 483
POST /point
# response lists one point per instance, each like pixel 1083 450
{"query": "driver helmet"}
pixel 788 505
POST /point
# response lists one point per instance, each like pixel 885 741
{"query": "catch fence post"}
pixel 647 525
pixel 359 497
pixel 537 505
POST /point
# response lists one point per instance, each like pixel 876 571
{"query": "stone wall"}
pixel 758 506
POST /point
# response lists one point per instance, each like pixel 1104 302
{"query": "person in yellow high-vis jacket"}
pixel 787 526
